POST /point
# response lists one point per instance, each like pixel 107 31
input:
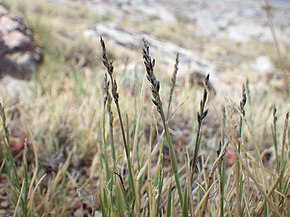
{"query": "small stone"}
pixel 263 64
pixel 4 204
pixel 14 40
pixel 2 212
pixel 2 191
pixel 7 24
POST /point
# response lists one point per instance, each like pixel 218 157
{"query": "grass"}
pixel 98 146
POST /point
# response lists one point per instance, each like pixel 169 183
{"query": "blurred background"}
pixel 231 40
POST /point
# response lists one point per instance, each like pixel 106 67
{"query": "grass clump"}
pixel 245 168
pixel 98 147
pixel 228 178
pixel 196 179
pixel 19 192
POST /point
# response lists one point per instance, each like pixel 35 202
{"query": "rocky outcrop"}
pixel 19 55
pixel 236 20
pixel 131 41
pixel 239 21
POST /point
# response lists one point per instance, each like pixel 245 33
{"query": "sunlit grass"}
pixel 83 158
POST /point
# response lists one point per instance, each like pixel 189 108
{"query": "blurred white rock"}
pixel 263 64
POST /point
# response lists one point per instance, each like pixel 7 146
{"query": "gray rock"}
pixel 234 19
pixel 131 40
pixel 19 55
pixel 12 91
pixel 263 64
pixel 237 20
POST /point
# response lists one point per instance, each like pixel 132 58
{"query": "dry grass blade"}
pixel 160 159
pixel 238 174
pixel 270 192
pixel 268 10
pixel 10 167
pixel 269 201
pixel 284 138
pixel 210 178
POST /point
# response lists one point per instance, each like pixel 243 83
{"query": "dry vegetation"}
pixel 98 146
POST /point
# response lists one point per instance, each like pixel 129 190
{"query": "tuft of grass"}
pixel 143 184
pixel 18 194
pixel 84 147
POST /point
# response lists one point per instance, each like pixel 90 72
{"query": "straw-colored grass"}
pixel 97 145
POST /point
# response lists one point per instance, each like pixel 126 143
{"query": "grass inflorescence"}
pixel 197 183
pixel 155 88
pixel 95 146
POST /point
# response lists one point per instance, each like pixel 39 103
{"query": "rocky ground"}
pixel 231 19
pixel 231 40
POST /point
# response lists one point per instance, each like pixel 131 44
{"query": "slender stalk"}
pixel 209 180
pixel 108 102
pixel 284 139
pixel 160 185
pixel 168 207
pixel 173 83
pixel 149 179
pixel 114 90
pixel 222 165
pixel 273 32
pixel 25 181
pixel 155 88
pixel 283 160
pixel 274 134
pixel 238 176
pixel 103 146
pixel 188 183
pixel 111 120
pixel 200 116
pixel 185 203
